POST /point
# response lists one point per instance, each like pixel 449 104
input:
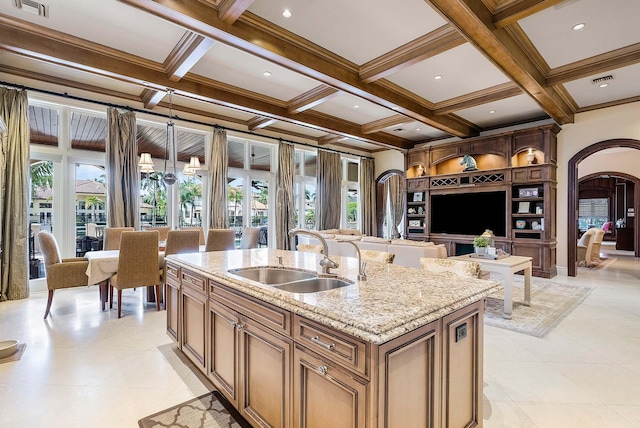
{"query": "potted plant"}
pixel 480 244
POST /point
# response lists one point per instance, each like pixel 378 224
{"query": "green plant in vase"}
pixel 480 244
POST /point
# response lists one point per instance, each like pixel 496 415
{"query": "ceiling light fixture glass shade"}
pixel 187 170
pixel 170 178
pixel 146 163
pixel 192 167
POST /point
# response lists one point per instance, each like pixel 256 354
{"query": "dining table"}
pixel 103 265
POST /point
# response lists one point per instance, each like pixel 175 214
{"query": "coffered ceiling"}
pixel 361 74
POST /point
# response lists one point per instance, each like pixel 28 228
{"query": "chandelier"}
pixel 169 178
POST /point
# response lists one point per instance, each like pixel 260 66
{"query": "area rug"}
pixel 550 303
pixel 206 411
pixel 16 355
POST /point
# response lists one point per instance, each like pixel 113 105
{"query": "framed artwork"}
pixel 417 197
pixel 414 223
pixel 528 193
pixel 523 207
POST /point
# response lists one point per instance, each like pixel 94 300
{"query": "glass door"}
pixel 40 212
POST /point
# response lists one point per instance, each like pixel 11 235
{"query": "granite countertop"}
pixel 394 299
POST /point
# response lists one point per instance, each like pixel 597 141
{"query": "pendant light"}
pixel 170 178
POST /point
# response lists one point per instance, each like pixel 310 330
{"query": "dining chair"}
pixel 162 231
pixel 182 241
pixel 112 237
pixel 200 231
pixel 60 273
pixel 92 230
pixel 220 240
pixel 249 238
pixel 137 264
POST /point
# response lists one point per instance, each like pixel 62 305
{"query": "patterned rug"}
pixel 550 303
pixel 206 411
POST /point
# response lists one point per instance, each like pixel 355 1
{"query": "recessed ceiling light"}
pixel 286 13
pixel 356 106
pixel 579 26
pixel 604 85
pixel 417 129
pixel 266 74
pixel 437 76
pixel 491 111
pixel 395 108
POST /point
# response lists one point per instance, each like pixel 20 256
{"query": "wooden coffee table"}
pixel 507 267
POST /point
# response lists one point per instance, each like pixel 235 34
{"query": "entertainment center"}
pixel 512 193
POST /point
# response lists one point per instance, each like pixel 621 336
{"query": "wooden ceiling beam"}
pixel 483 96
pixel 629 55
pixel 259 122
pixel 325 140
pixel 520 9
pixel 68 51
pixel 150 98
pixel 230 10
pixel 312 98
pixel 187 52
pixel 379 125
pixel 475 21
pixel 258 37
pixel 427 46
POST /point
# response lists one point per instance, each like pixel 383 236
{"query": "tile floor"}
pixel 83 367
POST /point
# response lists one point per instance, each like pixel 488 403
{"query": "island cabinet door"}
pixel 409 379
pixel 172 301
pixel 223 350
pixel 194 314
pixel 265 373
pixel 325 396
pixel 462 367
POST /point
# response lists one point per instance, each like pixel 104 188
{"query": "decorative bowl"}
pixel 521 224
pixel 7 348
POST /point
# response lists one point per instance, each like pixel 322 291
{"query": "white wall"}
pixel 589 128
pixel 388 159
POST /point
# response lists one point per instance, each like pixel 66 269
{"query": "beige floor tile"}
pixel 505 414
pixel 555 415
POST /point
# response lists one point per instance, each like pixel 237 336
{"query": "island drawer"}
pixel 194 282
pixel 268 315
pixel 345 350
pixel 172 274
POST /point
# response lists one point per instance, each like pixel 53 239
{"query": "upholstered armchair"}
pixel 465 268
pixel 137 264
pixel 376 256
pixel 588 253
pixel 60 273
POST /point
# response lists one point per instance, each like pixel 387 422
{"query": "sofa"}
pixel 407 253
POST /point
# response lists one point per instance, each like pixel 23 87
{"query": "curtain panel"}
pixel 285 211
pixel 394 206
pixel 218 166
pixel 368 197
pixel 329 180
pixel 14 194
pixel 123 178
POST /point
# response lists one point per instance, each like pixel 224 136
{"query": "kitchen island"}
pixel 402 349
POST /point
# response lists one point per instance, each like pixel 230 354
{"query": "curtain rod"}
pixel 154 113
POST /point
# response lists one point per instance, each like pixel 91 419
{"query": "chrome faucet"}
pixel 362 276
pixel 326 264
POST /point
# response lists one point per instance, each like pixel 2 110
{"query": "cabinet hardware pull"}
pixel 316 340
pixel 240 327
pixel 323 370
pixel 233 324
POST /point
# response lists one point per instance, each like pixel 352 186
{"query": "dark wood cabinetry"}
pixel 522 164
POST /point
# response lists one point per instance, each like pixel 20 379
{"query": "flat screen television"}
pixel 469 213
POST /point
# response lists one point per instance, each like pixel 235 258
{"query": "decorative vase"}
pixel 480 250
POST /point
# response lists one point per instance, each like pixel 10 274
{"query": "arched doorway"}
pixel 381 186
pixel 572 205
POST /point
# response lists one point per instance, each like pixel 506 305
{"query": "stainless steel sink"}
pixel 313 285
pixel 268 275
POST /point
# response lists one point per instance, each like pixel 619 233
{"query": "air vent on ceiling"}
pixel 33 7
pixel 603 79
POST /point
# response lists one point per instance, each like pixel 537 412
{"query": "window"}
pixel 350 218
pixel 593 212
